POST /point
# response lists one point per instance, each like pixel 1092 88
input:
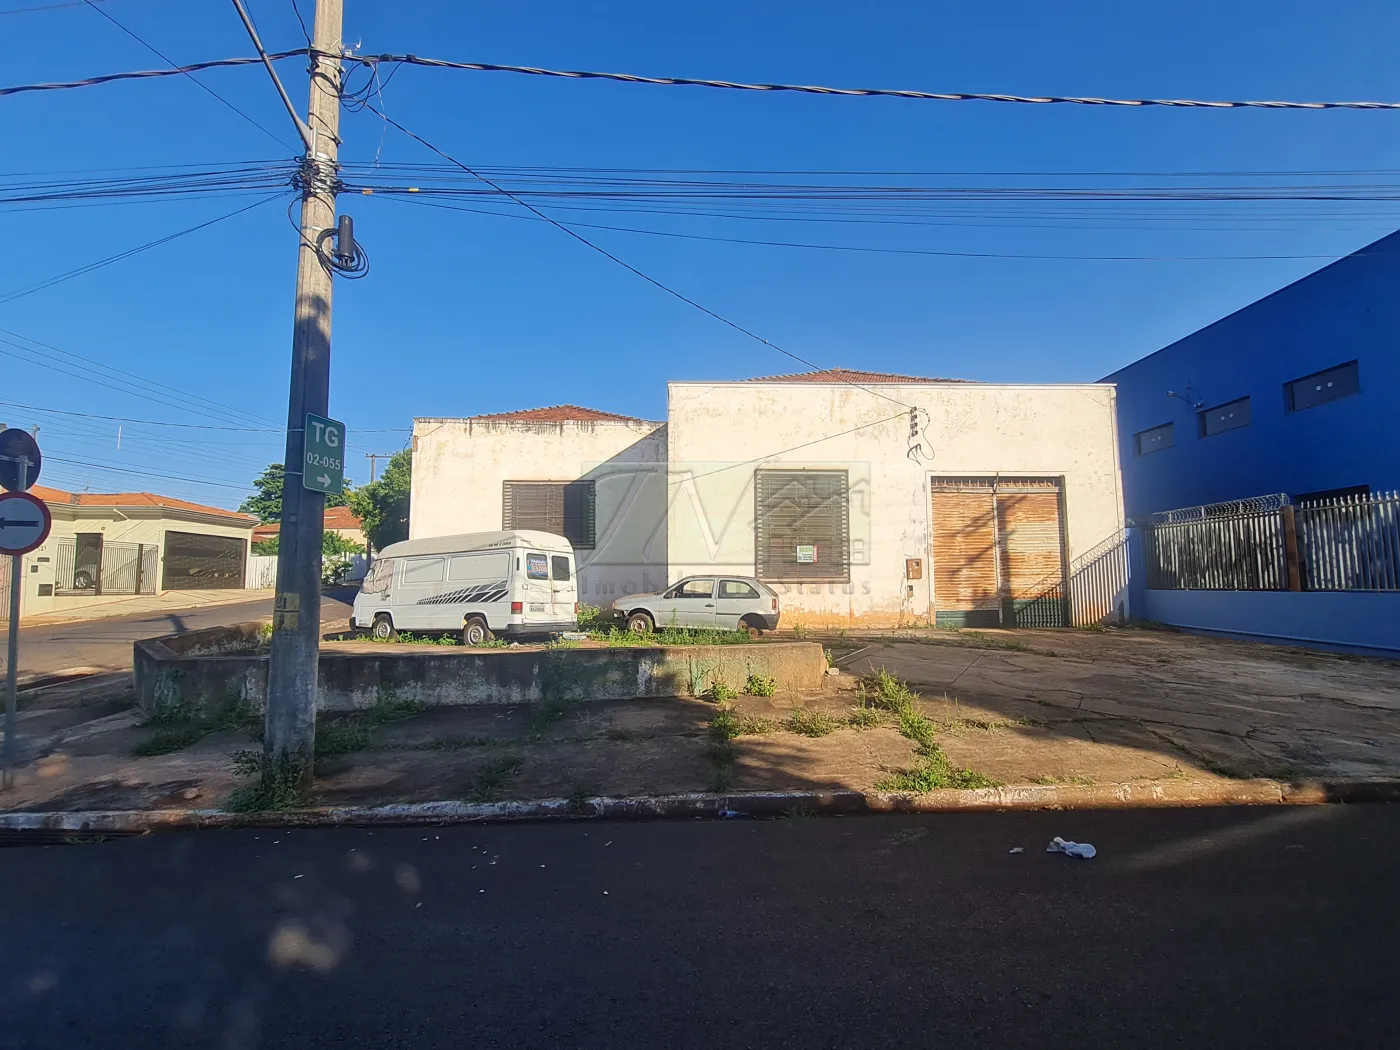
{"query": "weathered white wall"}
pixel 719 434
pixel 460 465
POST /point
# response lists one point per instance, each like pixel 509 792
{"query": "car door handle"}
pixel 709 605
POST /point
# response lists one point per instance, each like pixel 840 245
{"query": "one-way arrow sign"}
pixel 24 522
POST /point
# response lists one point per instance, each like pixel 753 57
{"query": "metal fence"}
pixel 1351 543
pixel 1097 589
pixel 1345 544
pixel 104 568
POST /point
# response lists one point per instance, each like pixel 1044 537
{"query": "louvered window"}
pixel 802 525
pixel 565 508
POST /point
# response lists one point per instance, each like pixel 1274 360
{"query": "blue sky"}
pixel 464 313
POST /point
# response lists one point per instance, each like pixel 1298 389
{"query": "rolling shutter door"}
pixel 965 584
pixel 564 508
pixel 1028 527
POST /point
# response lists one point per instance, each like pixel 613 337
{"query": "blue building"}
pixel 1296 393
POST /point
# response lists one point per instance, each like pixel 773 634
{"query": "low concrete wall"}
pixel 1362 621
pixel 196 671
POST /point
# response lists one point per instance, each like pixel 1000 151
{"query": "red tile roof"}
pixel 131 499
pixel 848 375
pixel 336 518
pixel 558 414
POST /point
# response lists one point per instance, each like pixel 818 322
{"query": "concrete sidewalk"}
pixel 137 605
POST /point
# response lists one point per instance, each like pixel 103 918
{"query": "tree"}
pixel 382 506
pixel 336 555
pixel 266 503
pixel 269 546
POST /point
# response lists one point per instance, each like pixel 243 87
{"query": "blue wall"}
pixel 1347 311
pixel 1365 621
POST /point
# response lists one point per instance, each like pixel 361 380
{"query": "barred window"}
pixel 565 508
pixel 802 525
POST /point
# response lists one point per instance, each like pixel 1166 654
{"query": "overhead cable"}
pixel 631 78
pixel 813 89
pixel 620 262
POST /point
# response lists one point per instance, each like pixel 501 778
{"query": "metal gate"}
pixel 998 552
pixel 198 562
pixel 87 564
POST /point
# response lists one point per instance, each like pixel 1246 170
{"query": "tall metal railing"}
pixel 1097 584
pixel 108 568
pixel 1349 543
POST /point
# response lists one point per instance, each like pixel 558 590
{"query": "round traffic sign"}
pixel 14 446
pixel 25 522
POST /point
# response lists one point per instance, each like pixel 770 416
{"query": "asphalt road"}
pixel 107 643
pixel 1233 928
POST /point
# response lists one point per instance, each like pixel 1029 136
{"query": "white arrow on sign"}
pixel 24 522
pixel 324 481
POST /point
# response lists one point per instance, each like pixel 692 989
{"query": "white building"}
pixel 862 498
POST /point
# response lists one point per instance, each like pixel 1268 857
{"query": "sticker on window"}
pixel 536 567
pixel 807 555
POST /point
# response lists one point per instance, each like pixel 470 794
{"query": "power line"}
pixel 49 7
pixel 629 78
pixel 795 448
pixel 90 267
pixel 302 22
pixel 864 249
pixel 147 74
pixel 625 265
pixel 202 85
pixel 812 89
pixel 146 473
pixel 185 426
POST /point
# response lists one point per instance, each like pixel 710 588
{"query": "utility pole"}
pixel 374 458
pixel 290 721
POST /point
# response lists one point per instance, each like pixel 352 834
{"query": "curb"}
pixel 1153 794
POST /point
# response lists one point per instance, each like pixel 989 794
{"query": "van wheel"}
pixel 383 629
pixel 475 632
pixel 640 623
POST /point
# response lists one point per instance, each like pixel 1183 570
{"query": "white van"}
pixel 482 584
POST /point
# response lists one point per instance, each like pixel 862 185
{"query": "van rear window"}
pixel 536 567
pixel 559 567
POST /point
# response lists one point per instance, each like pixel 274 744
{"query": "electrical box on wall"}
pixel 913 568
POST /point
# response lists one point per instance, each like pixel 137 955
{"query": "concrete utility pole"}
pixel 374 458
pixel 290 722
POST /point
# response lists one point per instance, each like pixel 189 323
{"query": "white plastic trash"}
pixel 1081 850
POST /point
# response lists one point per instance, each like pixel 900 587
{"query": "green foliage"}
pixel 176 738
pixel 266 502
pixel 341 736
pixel 382 506
pixel 806 722
pixel 268 548
pixel 617 639
pixel 932 771
pixel 864 718
pixel 719 692
pixel 883 690
pixel 591 618
pixel 279 783
pixel 493 776
pixel 761 685
pixel 725 725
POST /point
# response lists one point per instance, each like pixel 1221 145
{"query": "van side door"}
pixel 420 581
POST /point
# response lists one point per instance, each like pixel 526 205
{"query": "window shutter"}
pixel 802 525
pixel 565 508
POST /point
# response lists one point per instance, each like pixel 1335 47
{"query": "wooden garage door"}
pixel 998 555
pixel 965 581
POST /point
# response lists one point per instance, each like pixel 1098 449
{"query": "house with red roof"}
pixel 860 497
pixel 109 545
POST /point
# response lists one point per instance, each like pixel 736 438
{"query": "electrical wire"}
pixel 48 7
pixel 625 265
pixel 146 473
pixel 302 22
pixel 149 74
pixel 812 89
pixel 796 448
pixel 99 264
pixel 204 87
pixel 872 250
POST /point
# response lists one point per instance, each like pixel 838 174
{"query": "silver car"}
pixel 733 603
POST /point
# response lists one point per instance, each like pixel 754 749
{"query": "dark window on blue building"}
pixel 1321 387
pixel 1230 416
pixel 1154 440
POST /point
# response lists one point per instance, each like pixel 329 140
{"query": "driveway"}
pixel 107 643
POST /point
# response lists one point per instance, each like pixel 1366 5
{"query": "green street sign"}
pixel 323 461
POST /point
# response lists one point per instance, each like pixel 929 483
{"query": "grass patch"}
pixel 592 619
pixel 545 711
pixel 342 735
pixel 719 692
pixel 931 771
pixel 492 777
pixel 752 725
pixel 724 725
pixel 799 812
pixel 880 689
pixel 864 718
pixel 279 784
pixel 388 707
pixel 174 738
pixel 620 639
pixel 721 755
pixel 761 685
pixel 806 722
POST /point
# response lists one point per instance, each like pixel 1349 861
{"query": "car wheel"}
pixel 754 630
pixel 82 580
pixel 640 623
pixel 383 629
pixel 476 632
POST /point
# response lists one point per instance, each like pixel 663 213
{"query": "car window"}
pixel 381 573
pixel 736 589
pixel 536 567
pixel 559 567
pixel 696 589
pixel 423 570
